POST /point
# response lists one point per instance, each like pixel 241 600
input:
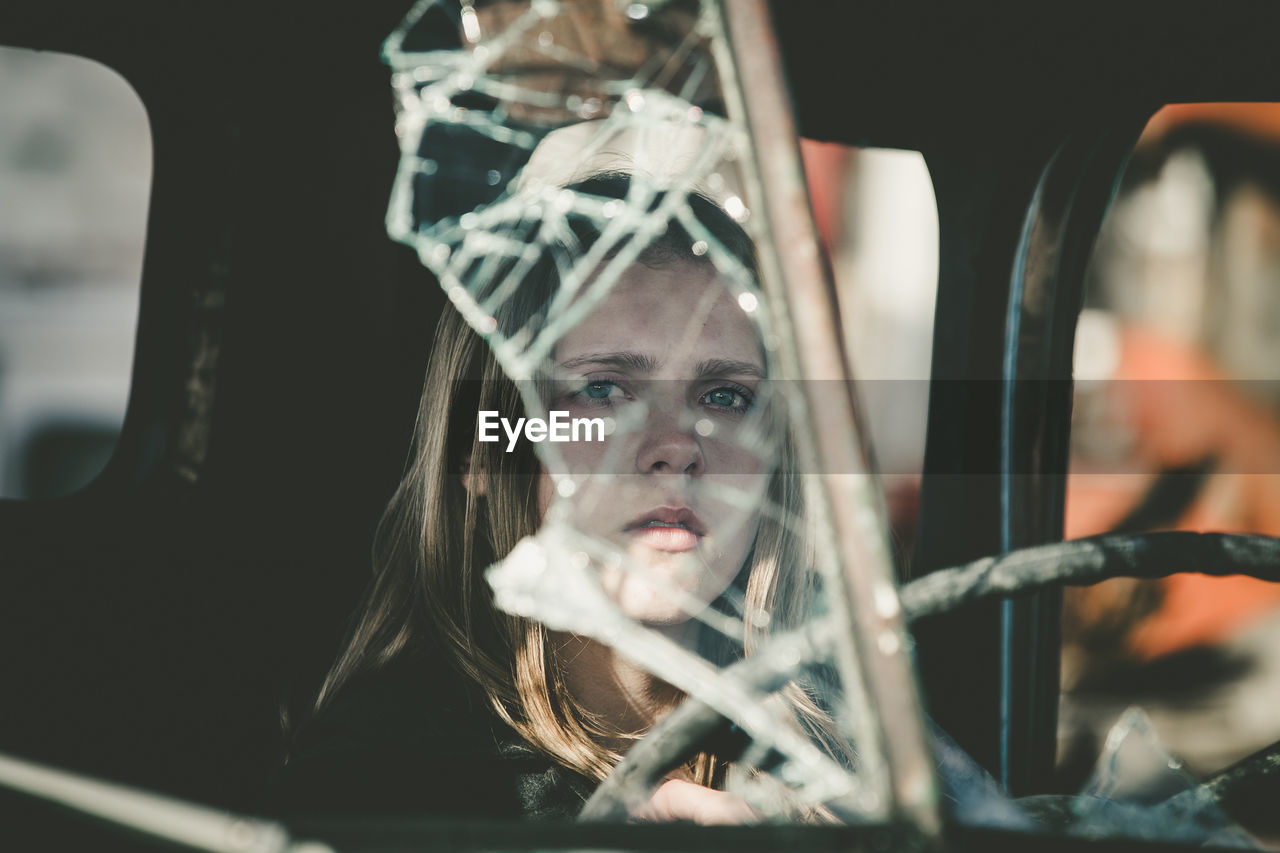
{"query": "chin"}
pixel 647 604
pixel 664 589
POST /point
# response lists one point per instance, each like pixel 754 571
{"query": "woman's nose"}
pixel 668 449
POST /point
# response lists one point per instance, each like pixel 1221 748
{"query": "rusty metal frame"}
pixel 875 651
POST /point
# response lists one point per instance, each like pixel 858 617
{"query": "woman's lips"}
pixel 664 537
pixel 668 528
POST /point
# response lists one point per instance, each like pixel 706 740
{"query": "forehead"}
pixel 680 313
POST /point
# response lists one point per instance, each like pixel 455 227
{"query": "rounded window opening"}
pixel 75 174
pixel 878 218
pixel 1176 426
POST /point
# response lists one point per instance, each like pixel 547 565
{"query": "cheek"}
pixel 584 457
pixel 738 532
pixel 614 455
pixel 576 457
pixel 734 497
pixel 743 445
pixel 738 470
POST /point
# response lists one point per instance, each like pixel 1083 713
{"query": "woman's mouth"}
pixel 668 529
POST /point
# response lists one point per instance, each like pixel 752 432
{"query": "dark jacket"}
pixel 417 739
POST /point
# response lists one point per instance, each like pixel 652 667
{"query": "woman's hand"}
pixel 679 800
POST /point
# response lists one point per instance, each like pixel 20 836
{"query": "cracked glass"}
pixel 570 175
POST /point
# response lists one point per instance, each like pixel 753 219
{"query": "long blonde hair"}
pixel 437 537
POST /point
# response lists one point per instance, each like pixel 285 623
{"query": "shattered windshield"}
pixel 573 178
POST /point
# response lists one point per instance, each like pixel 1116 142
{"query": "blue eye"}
pixel 598 390
pixel 729 398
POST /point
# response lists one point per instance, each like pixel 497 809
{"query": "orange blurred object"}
pixel 1254 119
pixel 1182 410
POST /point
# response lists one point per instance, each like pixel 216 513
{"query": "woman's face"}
pixel 674 361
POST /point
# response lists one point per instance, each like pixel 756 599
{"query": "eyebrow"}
pixel 639 363
pixel 729 367
pixel 632 361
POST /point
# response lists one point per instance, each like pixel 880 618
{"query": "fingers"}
pixel 678 800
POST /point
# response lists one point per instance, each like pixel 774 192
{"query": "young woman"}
pixel 439 703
